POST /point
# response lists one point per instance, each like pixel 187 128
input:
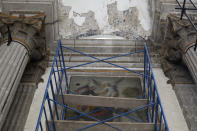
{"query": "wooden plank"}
pixel 124 126
pixel 101 101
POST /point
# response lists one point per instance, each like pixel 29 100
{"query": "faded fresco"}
pixel 108 87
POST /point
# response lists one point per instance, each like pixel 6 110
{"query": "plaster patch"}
pixel 99 7
pixel 81 25
pixel 142 7
pixel 79 20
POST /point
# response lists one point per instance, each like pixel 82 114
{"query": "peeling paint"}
pixel 126 22
pixel 69 28
pixel 78 18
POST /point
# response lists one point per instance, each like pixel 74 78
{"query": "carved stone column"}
pixel 190 59
pixel 180 41
pixel 16 51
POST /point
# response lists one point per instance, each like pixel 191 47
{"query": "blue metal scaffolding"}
pixel 53 97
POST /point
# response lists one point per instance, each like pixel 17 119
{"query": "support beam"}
pixel 101 101
pixel 125 126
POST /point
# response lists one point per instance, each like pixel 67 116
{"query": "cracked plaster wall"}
pixel 82 18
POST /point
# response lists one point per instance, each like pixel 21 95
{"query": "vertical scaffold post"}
pixel 64 69
pixel 144 86
pixel 66 78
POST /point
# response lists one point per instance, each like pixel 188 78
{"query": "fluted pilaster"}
pixel 190 58
pixel 13 60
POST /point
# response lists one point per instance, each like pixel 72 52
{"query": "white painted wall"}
pixel 99 7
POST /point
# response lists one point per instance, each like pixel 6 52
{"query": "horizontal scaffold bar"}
pixel 101 101
pixel 125 126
